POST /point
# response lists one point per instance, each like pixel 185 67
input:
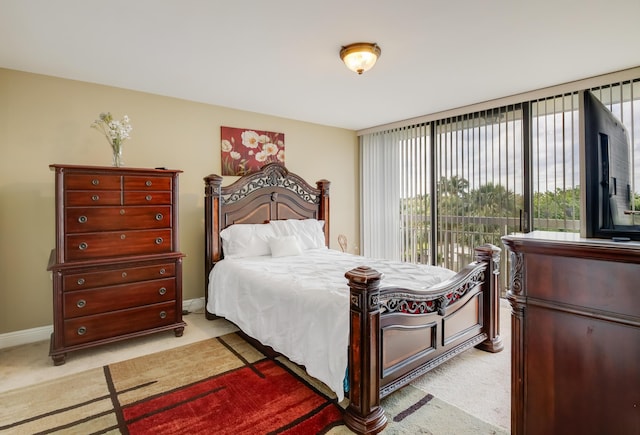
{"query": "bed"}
pixel 384 323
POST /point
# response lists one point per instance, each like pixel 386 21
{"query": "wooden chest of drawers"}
pixel 575 334
pixel 117 269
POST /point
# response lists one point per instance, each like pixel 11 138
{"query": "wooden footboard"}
pixel 397 335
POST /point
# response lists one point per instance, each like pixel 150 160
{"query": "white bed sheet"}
pixel 299 305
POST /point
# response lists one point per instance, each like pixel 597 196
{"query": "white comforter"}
pixel 299 305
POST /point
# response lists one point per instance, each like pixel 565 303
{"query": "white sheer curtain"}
pixel 380 196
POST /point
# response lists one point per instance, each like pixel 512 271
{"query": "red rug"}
pixel 258 399
pixel 218 386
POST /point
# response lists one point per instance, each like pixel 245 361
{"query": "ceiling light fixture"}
pixel 361 56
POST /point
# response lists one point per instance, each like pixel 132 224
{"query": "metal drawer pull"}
pixel 123 236
pixel 95 181
pixel 81 281
pixel 162 290
pixel 82 330
pixel 81 303
pixel 148 183
pixel 124 274
pixel 82 219
pixel 122 211
pixel 159 217
pixel 159 241
pixel 95 197
pixel 148 197
pixel 83 246
pixel 163 314
pixel 162 271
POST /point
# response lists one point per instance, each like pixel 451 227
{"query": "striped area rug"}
pixel 216 386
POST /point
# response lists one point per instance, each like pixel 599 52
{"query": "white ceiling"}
pixel 280 57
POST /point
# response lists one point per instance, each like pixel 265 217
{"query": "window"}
pixel 479 189
pixel 469 179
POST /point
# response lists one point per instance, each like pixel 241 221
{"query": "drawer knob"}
pixel 81 303
pixel 162 271
pixel 148 183
pixel 124 274
pixel 83 246
pixel 82 330
pixel 148 197
pixel 123 236
pixel 163 314
pixel 159 241
pixel 81 281
pixel 122 212
pixel 162 290
pixel 95 181
pixel 159 216
pixel 82 219
pixel 95 197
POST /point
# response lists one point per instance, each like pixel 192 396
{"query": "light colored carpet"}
pixel 102 400
pixel 476 381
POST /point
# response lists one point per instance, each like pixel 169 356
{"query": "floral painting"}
pixel 245 151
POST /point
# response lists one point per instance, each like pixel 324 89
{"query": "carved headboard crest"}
pixel 271 175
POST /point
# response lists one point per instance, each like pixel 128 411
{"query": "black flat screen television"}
pixel 608 191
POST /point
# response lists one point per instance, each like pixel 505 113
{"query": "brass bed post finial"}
pixel 342 242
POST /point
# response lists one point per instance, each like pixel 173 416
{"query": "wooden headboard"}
pixel 270 194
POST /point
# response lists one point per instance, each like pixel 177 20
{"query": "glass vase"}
pixel 117 157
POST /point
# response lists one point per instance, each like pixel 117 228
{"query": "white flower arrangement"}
pixel 115 132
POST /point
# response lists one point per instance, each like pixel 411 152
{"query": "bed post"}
pixel 364 414
pixel 490 255
pixel 212 191
pixel 323 210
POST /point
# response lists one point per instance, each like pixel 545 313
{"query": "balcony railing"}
pixel 459 235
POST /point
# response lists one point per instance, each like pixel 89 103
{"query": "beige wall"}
pixel 46 120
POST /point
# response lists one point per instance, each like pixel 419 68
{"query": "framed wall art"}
pixel 244 150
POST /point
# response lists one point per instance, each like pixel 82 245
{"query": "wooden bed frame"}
pixel 396 334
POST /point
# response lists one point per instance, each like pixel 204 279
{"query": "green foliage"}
pixel 561 204
pixel 469 218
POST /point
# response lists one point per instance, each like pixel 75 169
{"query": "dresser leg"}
pixel 179 331
pixel 59 359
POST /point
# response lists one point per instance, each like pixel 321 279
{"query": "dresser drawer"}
pixel 109 325
pixel 104 299
pixel 92 182
pixel 88 219
pixel 116 244
pixel 142 198
pixel 133 182
pixel 80 281
pixel 76 198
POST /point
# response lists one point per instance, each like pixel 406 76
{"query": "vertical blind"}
pixel 380 195
pixel 394 195
pixel 555 163
pixel 479 190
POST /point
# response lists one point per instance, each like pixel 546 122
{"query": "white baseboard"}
pixel 32 335
pixel 25 336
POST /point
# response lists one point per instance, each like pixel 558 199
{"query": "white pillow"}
pixel 309 232
pixel 246 240
pixel 285 246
